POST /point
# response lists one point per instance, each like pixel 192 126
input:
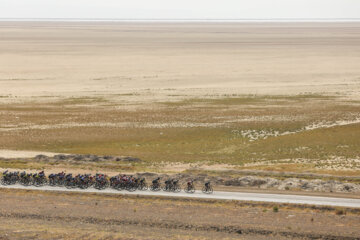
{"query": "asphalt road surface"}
pixel 240 196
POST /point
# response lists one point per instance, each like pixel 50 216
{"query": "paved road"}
pixel 240 196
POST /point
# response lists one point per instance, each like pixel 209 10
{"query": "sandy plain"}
pixel 153 60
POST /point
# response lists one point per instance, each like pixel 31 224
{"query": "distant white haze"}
pixel 182 10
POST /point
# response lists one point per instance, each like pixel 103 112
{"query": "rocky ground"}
pixel 85 158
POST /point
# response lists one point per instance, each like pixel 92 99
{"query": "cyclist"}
pixel 61 177
pixel 189 187
pixel 207 188
pixel 190 182
pixel 68 177
pixel 175 185
pixel 168 184
pixel 156 183
pixel 52 178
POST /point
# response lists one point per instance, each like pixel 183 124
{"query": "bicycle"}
pixel 142 185
pixel 155 186
pixel 207 188
pixel 175 186
pixel 189 187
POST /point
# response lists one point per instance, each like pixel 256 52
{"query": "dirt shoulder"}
pixel 79 215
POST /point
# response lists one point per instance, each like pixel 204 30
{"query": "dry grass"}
pixel 189 131
pixel 53 214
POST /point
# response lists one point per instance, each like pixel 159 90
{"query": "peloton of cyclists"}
pixel 100 181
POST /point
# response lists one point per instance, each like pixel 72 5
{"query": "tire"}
pixel 177 188
pixel 155 189
pixel 207 191
pixel 35 183
pixel 102 186
pixel 13 181
pixel 68 185
pixel 188 189
pixel 60 183
pixel 143 187
pixel 122 186
pixel 52 183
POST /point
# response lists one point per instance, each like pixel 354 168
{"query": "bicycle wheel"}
pixel 45 182
pixel 28 183
pixel 185 186
pixel 156 188
pixel 117 187
pixel 51 182
pixel 143 187
pixel 131 188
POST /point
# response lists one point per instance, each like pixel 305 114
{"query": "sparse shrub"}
pixel 340 211
pixel 275 209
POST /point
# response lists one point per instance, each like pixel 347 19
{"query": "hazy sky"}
pixel 180 9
